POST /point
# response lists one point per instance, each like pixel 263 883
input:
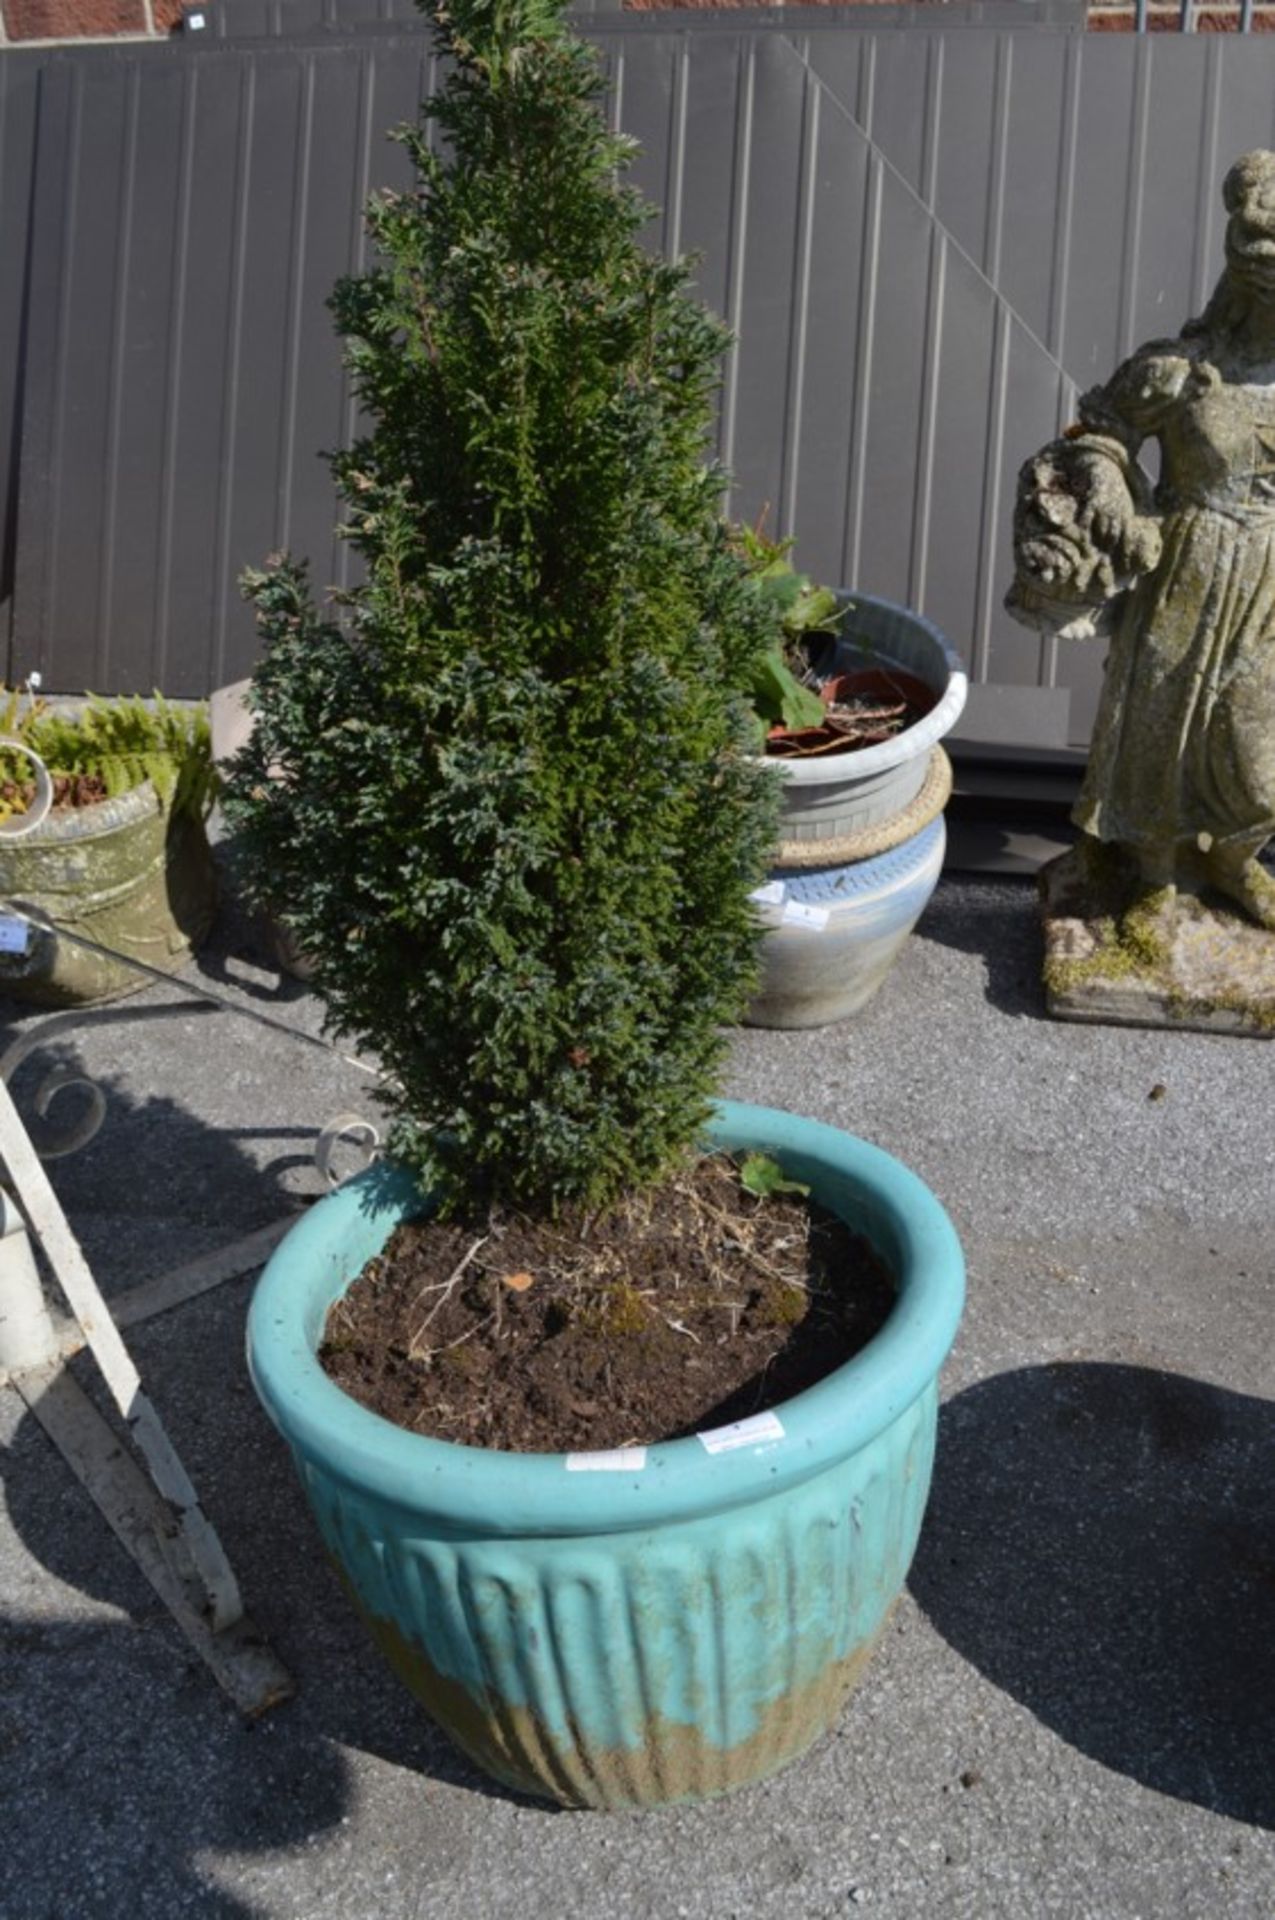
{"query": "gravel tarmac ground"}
pixel 1071 1713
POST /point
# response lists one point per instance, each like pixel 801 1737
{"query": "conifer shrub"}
pixel 506 800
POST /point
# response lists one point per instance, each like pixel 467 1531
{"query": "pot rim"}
pixel 848 768
pixel 473 1490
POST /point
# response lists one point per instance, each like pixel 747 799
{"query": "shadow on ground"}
pixel 1000 926
pixel 243 952
pixel 1101 1544
pixel 123 1792
pixel 128 1784
pixel 156 1183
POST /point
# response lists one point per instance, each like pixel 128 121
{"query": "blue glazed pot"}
pixel 649 1625
pixel 833 937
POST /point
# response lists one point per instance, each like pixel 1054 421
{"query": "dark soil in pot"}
pixel 691 1306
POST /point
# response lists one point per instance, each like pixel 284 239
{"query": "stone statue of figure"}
pixel 1181 772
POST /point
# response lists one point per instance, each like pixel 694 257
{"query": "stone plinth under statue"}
pixel 1166 915
pixel 1108 959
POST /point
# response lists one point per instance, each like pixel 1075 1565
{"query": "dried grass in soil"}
pixel 687 1307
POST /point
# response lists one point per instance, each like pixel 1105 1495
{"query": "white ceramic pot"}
pixel 832 796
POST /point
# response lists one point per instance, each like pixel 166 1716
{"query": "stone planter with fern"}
pixel 120 865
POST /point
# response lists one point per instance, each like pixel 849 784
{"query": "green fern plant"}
pixel 120 742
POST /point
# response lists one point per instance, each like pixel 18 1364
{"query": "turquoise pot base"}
pixel 636 1629
pixel 671 1766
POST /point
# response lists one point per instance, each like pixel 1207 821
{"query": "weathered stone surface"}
pixel 1181 777
pixel 1109 956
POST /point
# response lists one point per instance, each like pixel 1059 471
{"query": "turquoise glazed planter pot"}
pixel 649 1625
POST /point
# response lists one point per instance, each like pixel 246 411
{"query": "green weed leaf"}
pixel 760 1175
pixel 779 696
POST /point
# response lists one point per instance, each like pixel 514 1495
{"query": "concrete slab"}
pixel 1071 1713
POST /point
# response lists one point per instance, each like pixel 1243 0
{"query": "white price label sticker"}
pixel 743 1433
pixel 613 1460
pixel 14 933
pixel 798 914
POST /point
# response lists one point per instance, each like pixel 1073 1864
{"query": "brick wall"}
pixel 27 20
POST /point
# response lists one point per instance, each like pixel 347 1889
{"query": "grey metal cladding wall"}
pixel 1079 175
pixel 191 217
pixel 20 79
pixel 285 19
pixel 925 242
pixel 877 363
pixel 965 229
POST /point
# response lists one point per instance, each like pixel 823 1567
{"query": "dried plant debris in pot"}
pixel 69 790
pixel 711 1297
pixel 860 709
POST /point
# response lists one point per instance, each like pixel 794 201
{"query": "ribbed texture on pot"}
pixel 883 835
pixel 635 1669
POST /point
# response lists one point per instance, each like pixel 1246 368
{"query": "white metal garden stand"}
pixel 142 1490
pixel 158 1520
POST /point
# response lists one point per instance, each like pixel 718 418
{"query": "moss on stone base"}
pixel 1116 950
pixel 1127 922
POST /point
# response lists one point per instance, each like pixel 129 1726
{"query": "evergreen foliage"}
pixel 508 807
